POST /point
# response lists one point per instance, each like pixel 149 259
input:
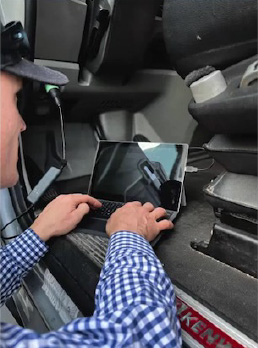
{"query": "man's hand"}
pixel 63 214
pixel 138 218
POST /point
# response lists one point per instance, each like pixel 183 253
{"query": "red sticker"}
pixel 202 330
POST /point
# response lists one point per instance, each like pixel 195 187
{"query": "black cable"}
pixel 54 92
pixel 198 158
pixel 209 167
pixel 197 153
pixel 8 238
pixel 17 218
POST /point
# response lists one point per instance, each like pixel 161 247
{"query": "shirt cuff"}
pixel 128 240
pixel 27 249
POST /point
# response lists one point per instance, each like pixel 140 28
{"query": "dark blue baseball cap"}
pixel 14 50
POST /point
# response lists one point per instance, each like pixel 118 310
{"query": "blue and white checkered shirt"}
pixel 135 300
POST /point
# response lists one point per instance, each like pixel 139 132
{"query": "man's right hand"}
pixel 63 214
pixel 138 218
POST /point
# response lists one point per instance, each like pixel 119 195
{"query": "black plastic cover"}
pixel 237 154
pixel 240 221
pixel 115 38
pixel 232 246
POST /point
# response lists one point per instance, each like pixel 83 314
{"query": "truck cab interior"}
pixel 146 70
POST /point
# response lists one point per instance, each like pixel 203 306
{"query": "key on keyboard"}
pixel 107 209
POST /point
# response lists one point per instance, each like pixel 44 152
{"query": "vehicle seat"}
pixel 213 46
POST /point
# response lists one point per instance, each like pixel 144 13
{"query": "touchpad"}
pixel 93 224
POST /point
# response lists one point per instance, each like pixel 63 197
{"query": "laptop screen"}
pixel 145 172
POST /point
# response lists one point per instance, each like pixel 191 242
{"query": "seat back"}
pixel 217 33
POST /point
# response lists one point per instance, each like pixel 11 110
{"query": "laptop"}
pixel 135 171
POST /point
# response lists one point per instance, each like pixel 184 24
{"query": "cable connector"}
pixel 191 169
pixel 54 91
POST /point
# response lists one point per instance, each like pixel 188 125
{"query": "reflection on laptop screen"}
pixel 145 172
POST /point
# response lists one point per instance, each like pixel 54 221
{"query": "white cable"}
pixel 191 169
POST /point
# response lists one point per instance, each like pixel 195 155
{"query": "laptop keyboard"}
pixel 107 209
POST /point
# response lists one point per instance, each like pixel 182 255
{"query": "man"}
pixel 135 301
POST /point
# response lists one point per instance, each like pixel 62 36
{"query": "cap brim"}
pixel 29 70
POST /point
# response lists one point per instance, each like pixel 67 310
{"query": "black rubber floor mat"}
pixel 228 292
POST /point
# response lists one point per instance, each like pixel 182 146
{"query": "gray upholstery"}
pixel 217 33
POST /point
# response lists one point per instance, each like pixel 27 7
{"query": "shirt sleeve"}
pixel 135 305
pixel 17 259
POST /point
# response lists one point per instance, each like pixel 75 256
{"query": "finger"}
pixel 134 204
pixel 93 202
pixel 165 225
pixel 148 206
pixel 158 213
pixel 79 198
pixel 81 210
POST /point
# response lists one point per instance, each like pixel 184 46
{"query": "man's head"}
pixel 14 67
pixel 12 125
